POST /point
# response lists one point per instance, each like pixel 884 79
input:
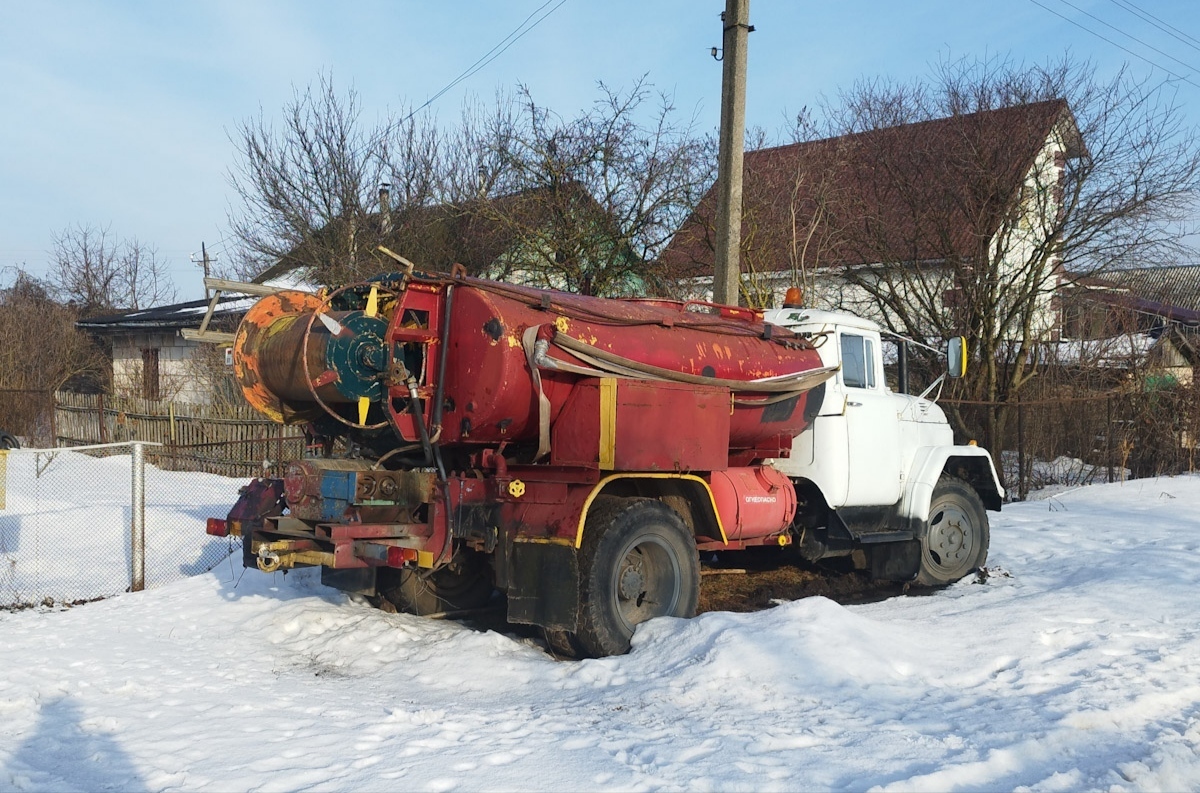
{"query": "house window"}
pixel 858 361
pixel 150 372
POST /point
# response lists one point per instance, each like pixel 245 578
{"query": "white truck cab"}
pixel 878 471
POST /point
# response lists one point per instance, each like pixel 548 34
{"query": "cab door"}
pixel 872 426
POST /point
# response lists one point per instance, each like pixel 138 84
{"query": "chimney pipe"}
pixel 385 208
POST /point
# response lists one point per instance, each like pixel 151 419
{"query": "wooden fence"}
pixel 230 440
pixel 1076 439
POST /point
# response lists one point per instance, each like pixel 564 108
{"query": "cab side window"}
pixel 858 361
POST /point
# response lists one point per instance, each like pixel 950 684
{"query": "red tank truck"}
pixel 575 453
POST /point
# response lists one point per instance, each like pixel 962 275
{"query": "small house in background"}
pixel 1146 318
pixel 152 360
pixel 155 353
pixel 554 237
pixel 1133 300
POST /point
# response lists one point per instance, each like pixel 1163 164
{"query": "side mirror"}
pixel 956 356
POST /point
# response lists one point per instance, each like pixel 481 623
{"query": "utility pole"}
pixel 736 29
pixel 206 262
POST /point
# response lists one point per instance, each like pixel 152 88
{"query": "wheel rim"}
pixel 646 582
pixel 951 543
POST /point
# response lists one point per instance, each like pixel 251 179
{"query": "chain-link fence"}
pixel 74 527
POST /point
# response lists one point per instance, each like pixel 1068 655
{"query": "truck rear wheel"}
pixel 956 536
pixel 639 561
pixel 463 585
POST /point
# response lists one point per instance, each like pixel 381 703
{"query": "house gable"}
pixel 923 194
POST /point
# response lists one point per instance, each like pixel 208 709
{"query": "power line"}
pixel 1115 44
pixel 495 52
pixel 1165 27
pixel 221 245
pixel 1128 35
pixel 512 38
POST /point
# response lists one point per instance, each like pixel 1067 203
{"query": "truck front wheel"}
pixel 638 562
pixel 956 537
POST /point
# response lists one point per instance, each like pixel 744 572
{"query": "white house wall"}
pixel 180 378
pixel 1040 207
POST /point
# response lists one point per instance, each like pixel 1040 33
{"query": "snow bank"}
pixel 1073 666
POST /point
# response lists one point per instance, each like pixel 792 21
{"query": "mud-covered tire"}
pixel 463 585
pixel 638 561
pixel 956 536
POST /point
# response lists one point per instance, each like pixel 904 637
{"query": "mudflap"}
pixel 544 587
pixel 894 561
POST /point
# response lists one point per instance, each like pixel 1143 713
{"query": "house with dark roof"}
pixel 541 236
pixel 935 198
pixel 151 358
pixel 1153 313
pixel 1134 299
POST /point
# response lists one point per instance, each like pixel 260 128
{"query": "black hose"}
pixel 443 353
pixel 418 413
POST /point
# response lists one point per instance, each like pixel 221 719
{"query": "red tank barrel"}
pixel 504 360
pixel 495 398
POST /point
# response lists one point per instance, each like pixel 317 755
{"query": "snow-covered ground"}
pixel 1075 665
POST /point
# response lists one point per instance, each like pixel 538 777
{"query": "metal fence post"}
pixel 1108 431
pixel 100 418
pixel 137 573
pixel 1022 479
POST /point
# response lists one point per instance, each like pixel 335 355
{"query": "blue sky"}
pixel 119 113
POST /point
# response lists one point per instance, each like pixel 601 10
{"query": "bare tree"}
pixel 977 243
pixel 309 190
pixel 100 274
pixel 600 194
pixel 807 201
pixel 514 191
pixel 477 152
pixel 40 347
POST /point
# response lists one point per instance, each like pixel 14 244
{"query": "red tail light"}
pixel 217 527
pixel 397 556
